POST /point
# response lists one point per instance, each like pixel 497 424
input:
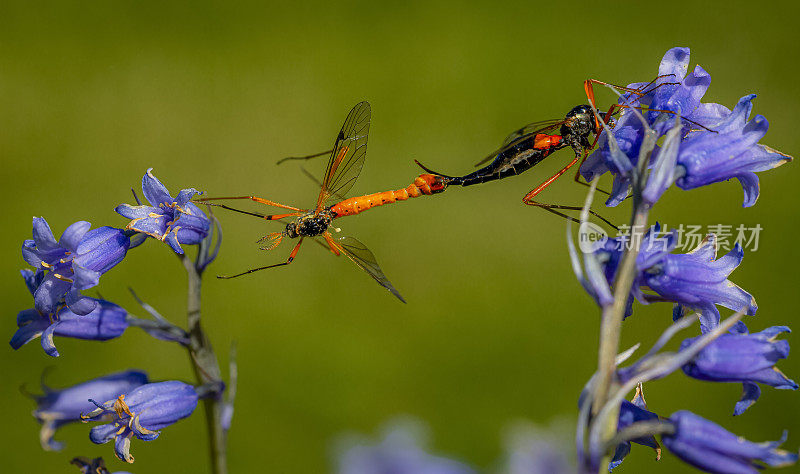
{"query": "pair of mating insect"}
pixel 521 150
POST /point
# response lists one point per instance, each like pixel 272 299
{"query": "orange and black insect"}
pixel 344 166
pixel 528 146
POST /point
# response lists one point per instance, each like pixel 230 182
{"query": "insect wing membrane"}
pixel 347 157
pixel 363 257
pixel 518 135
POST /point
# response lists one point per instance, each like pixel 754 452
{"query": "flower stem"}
pixel 612 315
pixel 206 369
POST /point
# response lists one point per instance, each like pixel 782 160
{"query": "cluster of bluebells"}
pixel 128 403
pixel 714 143
pixel 703 143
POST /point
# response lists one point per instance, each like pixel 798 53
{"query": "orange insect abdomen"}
pixel 425 184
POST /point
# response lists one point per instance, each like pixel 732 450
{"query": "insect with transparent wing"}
pixel 343 168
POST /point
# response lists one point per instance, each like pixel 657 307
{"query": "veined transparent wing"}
pixel 363 257
pixel 347 157
pixel 513 138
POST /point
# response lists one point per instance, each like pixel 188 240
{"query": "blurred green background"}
pixel 496 328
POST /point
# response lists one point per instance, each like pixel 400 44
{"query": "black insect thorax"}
pixel 579 125
pixel 309 225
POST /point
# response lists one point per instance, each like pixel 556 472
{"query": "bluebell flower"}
pixel 630 413
pixel 731 151
pixel 675 91
pixel 175 220
pixel 746 358
pixel 711 448
pixel 106 321
pixel 398 453
pixel 697 280
pixel 141 413
pixel 74 263
pixel 682 98
pixel 56 408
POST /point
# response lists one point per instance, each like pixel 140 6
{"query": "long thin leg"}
pixel 549 181
pixel 551 207
pixel 307 157
pixel 287 262
pixel 269 217
pixel 590 94
pixel 639 91
pixel 331 244
pixel 577 177
pixel 252 198
pixel 528 199
pixel 647 109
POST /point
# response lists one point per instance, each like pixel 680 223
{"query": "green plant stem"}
pixel 206 369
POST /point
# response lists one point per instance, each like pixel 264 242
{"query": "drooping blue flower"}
pixel 106 321
pixel 674 91
pixel 173 220
pixel 710 447
pixel 630 413
pixel 141 413
pixel 399 452
pixel 697 280
pixel 713 144
pixel 746 358
pixel 730 151
pixel 56 408
pixel 678 92
pixel 74 263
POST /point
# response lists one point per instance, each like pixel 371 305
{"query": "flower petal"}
pixel 43 236
pixel 47 340
pixel 155 192
pixel 122 447
pixel 185 195
pixel 102 249
pixel 32 279
pixel 73 235
pixel 751 188
pixel 106 321
pixel 30 254
pixel 79 304
pixel 49 293
pixel 750 393
pixel 84 279
pixel 152 226
pixel 172 240
pixel 102 433
pixel 32 327
pixel 135 212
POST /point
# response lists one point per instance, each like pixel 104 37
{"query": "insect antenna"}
pixel 306 157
